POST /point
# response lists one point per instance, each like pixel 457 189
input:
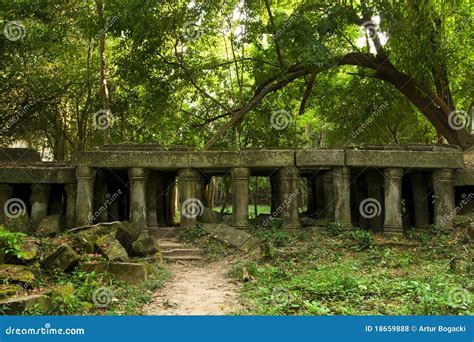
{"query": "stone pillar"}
pixel 419 190
pixel 151 199
pixel 71 195
pixel 328 188
pixel 6 192
pixel 100 197
pixel 444 213
pixel 39 203
pixel 240 197
pixel 190 205
pixel 375 191
pixel 342 196
pixel 393 224
pixel 85 194
pixel 138 203
pixel 289 192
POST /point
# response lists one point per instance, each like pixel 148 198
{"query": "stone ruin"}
pixel 142 184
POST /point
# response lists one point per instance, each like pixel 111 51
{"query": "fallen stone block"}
pixel 111 248
pixel 127 234
pixel 49 226
pixel 17 305
pixel 234 237
pixel 64 259
pixel 16 273
pixel 29 252
pixel 125 271
pixel 9 290
pixel 145 246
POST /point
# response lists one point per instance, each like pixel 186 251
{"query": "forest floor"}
pixel 325 272
pixel 196 288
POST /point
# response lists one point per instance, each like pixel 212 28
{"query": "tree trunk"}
pixel 104 90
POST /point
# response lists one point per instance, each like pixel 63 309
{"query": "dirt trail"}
pixel 196 289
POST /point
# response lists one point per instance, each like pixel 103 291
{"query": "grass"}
pixel 353 273
pixel 261 209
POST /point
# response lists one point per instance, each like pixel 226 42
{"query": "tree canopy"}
pixel 235 74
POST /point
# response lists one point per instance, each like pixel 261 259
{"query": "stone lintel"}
pixel 186 159
pixel 405 159
pixel 319 157
pixel 38 175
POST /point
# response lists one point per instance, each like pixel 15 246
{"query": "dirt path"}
pixel 196 289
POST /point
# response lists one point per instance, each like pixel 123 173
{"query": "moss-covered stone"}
pixel 64 259
pixel 16 273
pixel 17 305
pixel 111 248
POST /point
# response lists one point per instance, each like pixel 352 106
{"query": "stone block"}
pixel 49 226
pixel 64 259
pixel 111 248
pixel 16 274
pixel 234 237
pixel 127 234
pixel 9 290
pixel 17 305
pixel 125 271
pixel 145 246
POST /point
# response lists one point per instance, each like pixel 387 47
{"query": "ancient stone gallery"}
pixel 383 188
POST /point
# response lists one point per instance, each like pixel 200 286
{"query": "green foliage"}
pixel 11 242
pixel 325 277
pixel 363 238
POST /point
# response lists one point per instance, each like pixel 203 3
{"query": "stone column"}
pixel 240 197
pixel 444 213
pixel 342 196
pixel 138 203
pixel 289 192
pixel 39 203
pixel 151 199
pixel 71 195
pixel 393 224
pixel 328 187
pixel 85 194
pixel 419 190
pixel 100 197
pixel 375 191
pixel 190 205
pixel 6 192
